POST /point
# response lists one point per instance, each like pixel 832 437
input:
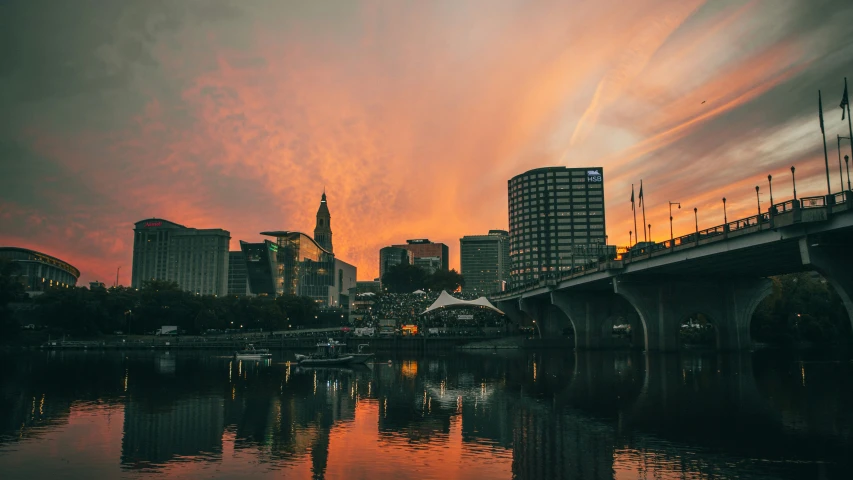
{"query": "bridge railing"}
pixel 814 202
pixel 840 198
pixel 785 207
pixel 749 222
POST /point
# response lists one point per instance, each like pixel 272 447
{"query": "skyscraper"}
pixel 238 283
pixel 196 259
pixel 391 256
pixel 485 261
pixel 323 228
pixel 422 248
pixel 556 220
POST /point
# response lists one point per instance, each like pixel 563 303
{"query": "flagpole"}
pixel 634 210
pixel 643 204
pixel 849 124
pixel 823 133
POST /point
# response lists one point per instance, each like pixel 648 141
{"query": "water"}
pixel 460 416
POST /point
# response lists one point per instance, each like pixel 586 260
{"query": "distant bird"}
pixel 703 101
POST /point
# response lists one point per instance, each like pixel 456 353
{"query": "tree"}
pixel 445 280
pixel 404 278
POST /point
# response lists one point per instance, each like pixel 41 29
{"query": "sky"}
pixel 412 115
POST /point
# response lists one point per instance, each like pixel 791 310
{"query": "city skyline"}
pixel 236 117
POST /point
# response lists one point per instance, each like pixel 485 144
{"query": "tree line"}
pixel 83 312
pixel 405 278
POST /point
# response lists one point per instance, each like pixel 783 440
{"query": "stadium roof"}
pixel 445 300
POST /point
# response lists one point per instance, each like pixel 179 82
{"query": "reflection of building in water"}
pixel 550 445
pixel 188 428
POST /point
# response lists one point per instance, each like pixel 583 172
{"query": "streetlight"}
pixel 725 216
pixel 630 238
pixel 847 162
pixel 537 328
pixel 650 234
pixel 696 219
pixel 770 181
pixel 758 199
pixel 794 179
pixel 670 220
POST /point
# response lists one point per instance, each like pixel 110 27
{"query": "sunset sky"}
pixel 411 114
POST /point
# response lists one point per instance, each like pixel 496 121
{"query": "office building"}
pixel 556 220
pixel 238 283
pixel 485 261
pixel 422 248
pixel 195 259
pixel 392 256
pixel 429 264
pixel 296 264
pixel 38 271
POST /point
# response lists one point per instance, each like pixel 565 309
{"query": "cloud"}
pixel 412 116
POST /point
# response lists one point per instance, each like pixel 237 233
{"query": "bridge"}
pixel 720 272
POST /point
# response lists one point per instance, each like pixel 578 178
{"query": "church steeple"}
pixel 323 228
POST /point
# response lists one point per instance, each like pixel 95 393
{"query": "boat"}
pixel 330 352
pixel 360 357
pixel 252 353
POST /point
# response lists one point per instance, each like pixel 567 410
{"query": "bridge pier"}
pixel 550 321
pixel 832 260
pixel 664 304
pixel 511 310
pixel 588 314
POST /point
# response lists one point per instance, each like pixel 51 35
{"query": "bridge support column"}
pixel 664 304
pixel 588 313
pixel 512 311
pixel 832 260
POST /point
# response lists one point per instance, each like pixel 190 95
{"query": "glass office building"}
pixel 294 264
pixel 484 260
pixel 556 220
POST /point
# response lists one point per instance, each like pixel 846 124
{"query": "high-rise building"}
pixel 428 264
pixel 323 228
pixel 422 247
pixel 391 256
pixel 196 259
pixel 297 264
pixel 238 283
pixel 556 220
pixel 485 261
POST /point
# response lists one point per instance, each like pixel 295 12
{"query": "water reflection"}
pixel 512 415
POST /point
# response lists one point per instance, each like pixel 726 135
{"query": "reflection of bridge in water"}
pixel 719 272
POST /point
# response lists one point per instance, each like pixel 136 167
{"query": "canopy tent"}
pixel 445 300
pixel 419 292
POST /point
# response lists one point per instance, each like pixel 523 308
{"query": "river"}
pixel 488 415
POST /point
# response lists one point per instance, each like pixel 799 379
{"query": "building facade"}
pixel 296 264
pixel 392 256
pixel 556 220
pixel 429 264
pixel 422 247
pixel 238 283
pixel 195 259
pixel 38 271
pixel 485 263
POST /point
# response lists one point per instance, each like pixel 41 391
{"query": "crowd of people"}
pixel 409 308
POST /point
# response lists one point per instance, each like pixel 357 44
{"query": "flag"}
pixel 820 112
pixel 845 102
pixel 641 192
pixel 632 196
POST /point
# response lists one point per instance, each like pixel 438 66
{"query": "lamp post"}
pixel 758 200
pixel 650 234
pixel 696 219
pixel 770 181
pixel 630 237
pixel 670 220
pixel 537 328
pixel 847 163
pixel 794 179
pixel 725 216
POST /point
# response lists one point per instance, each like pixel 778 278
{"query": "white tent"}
pixel 419 292
pixel 446 300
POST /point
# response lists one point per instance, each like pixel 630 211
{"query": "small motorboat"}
pixel 252 353
pixel 330 352
pixel 361 357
